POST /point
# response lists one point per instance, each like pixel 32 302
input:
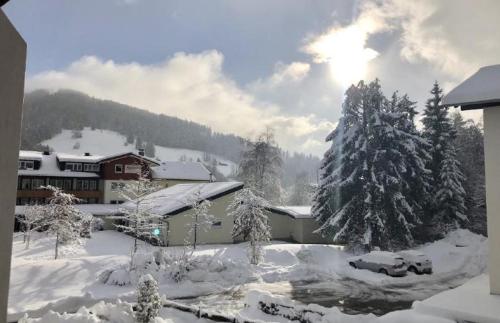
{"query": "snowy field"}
pixel 39 283
pixel 106 142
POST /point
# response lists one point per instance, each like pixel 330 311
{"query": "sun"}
pixel 345 51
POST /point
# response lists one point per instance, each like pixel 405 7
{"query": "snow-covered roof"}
pixel 298 212
pixel 78 158
pixel 49 167
pixel 194 171
pixel 94 209
pixel 180 197
pixel 117 155
pixel 480 90
pixel 30 155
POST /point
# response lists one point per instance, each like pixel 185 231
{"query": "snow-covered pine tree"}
pixel 439 132
pixel 260 167
pixel 469 144
pixel 361 199
pixel 416 186
pixel 450 197
pixel 250 221
pixel 148 299
pixel 62 217
pixel 339 201
pixel 137 217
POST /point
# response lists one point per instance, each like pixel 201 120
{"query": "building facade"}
pixel 96 179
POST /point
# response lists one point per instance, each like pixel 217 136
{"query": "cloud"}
pixel 193 87
pixel 453 36
pixel 285 75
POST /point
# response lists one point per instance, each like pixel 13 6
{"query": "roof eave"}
pixel 474 105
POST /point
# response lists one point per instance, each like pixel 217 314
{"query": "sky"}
pixel 241 66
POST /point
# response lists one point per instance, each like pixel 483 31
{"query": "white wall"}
pixel 12 67
pixel 492 160
pixel 110 194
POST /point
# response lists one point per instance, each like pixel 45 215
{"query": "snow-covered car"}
pixel 384 262
pixel 416 261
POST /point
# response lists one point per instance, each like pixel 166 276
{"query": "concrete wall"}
pixel 492 161
pixel 12 67
pixel 305 231
pixel 109 194
pixel 178 225
pixel 282 226
pixel 288 228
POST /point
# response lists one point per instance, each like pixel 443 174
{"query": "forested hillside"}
pixel 47 114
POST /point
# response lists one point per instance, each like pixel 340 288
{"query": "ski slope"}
pixel 106 142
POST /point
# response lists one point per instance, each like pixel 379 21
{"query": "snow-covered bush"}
pixel 86 224
pixel 119 277
pixel 148 299
pixel 97 225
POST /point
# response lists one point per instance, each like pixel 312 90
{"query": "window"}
pixel 26 164
pixel 76 167
pixel 26 184
pixel 216 224
pixel 91 167
pixel 116 202
pixel 118 168
pixel 85 185
pixel 68 185
pixel 93 185
pixel 38 182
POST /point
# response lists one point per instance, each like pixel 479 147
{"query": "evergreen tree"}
pixel 446 209
pixel 250 221
pixel 148 299
pixel 138 143
pixel 361 198
pixel 469 144
pixel 450 197
pixel 149 150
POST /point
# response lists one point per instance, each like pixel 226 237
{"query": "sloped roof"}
pixel 481 90
pixel 180 197
pixel 297 212
pixel 79 158
pixel 49 167
pixel 30 155
pixel 181 170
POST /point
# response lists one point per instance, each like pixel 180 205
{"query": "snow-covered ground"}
pixel 106 142
pixel 39 283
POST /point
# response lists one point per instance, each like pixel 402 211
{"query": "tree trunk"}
pixel 195 231
pixel 57 245
pixel 28 238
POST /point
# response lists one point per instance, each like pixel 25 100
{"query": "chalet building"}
pixel 96 179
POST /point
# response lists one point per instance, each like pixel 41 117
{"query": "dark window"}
pixel 68 184
pixel 38 182
pixel 217 224
pixel 118 168
pixel 26 184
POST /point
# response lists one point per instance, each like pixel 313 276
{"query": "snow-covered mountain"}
pixel 106 142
